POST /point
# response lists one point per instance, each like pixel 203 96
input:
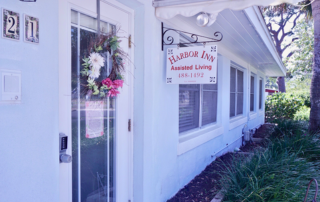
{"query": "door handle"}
pixel 65 158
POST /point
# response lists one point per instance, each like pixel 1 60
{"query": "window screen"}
pixel 209 103
pixel 252 93
pixel 189 105
pixel 195 102
pixel 236 92
pixel 233 91
pixel 239 92
pixel 260 94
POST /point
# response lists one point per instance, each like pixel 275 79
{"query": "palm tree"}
pixel 315 82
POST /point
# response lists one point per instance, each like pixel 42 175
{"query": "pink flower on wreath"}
pixel 117 83
pixel 113 92
pixel 107 82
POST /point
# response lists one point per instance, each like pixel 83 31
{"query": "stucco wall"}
pixel 29 168
pixel 159 171
pixel 29 131
pixel 171 170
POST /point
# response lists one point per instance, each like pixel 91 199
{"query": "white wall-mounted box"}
pixel 10 86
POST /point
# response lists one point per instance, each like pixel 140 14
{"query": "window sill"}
pixel 195 138
pixel 237 121
pixel 261 112
pixel 253 115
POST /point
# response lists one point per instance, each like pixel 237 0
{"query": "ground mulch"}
pixel 206 185
pixel 264 130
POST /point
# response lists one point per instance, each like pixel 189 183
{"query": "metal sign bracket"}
pixel 191 38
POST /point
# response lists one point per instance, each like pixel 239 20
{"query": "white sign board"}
pixel 192 65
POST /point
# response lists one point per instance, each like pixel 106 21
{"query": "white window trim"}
pixel 198 137
pixel 200 110
pixel 237 67
pixel 253 115
pixel 261 113
pixel 254 111
pixel 237 121
pixel 262 96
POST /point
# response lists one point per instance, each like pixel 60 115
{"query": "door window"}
pixel 93 165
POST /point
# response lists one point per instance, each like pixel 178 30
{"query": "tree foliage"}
pixel 271 83
pixel 301 60
pixel 278 18
pixel 299 84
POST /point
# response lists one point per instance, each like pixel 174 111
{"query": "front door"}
pixel 97 129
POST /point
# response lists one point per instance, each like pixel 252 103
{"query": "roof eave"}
pixel 262 28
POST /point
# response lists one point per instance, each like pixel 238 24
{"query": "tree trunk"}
pixel 315 82
pixel 281 84
pixel 280 80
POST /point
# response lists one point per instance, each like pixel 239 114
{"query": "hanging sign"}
pixel 192 65
pixel 10 24
pixel 94 119
pixel 31 29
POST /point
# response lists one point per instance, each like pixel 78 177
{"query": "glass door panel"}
pixel 93 123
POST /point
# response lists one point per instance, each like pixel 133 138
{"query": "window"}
pixel 236 92
pixel 252 93
pixel 197 105
pixel 260 93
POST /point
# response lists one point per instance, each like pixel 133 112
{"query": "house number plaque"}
pixel 10 24
pixel 31 29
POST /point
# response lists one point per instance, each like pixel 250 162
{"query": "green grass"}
pixel 281 172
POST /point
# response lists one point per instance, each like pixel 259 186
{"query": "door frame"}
pixel 124 138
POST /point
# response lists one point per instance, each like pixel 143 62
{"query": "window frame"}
pixel 237 68
pixel 252 93
pixel 261 93
pixel 200 114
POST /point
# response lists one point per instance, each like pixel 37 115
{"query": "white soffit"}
pixel 167 9
pixel 244 40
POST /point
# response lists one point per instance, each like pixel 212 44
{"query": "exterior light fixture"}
pixel 28 0
pixel 205 19
pixel 202 19
pixel 212 19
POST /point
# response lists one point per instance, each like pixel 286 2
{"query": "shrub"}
pixel 281 106
pixel 303 114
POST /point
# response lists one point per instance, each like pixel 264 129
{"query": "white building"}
pixel 152 146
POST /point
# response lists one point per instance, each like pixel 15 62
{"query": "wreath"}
pixel 94 60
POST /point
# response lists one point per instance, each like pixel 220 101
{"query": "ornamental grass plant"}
pixel 280 172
